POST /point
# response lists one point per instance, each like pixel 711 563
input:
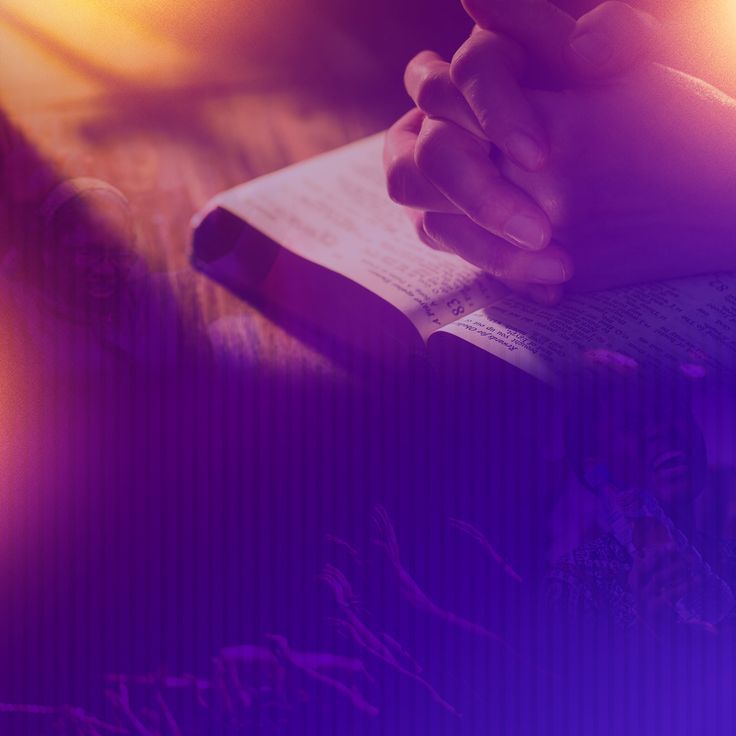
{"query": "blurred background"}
pixel 161 42
pixel 141 42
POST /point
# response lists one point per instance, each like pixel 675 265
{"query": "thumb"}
pixel 610 39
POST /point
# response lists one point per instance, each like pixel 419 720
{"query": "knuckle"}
pixel 464 64
pixel 478 211
pixel 481 55
pixel 430 90
pixel 491 208
pixel 422 58
pixel 487 119
pixel 396 179
pixel 418 58
pixel 429 148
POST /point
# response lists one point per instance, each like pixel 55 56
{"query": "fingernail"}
pixel 592 48
pixel 547 270
pixel 526 232
pixel 525 151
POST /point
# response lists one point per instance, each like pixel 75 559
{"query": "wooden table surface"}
pixel 172 143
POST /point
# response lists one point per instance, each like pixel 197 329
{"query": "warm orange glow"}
pixel 11 409
pixel 93 37
pixel 702 40
pixel 63 50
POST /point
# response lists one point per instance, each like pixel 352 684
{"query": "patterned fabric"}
pixel 593 579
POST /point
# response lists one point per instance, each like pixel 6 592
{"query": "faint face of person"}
pixel 672 460
pixel 90 254
pixel 659 450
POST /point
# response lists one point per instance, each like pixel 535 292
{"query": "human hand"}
pixel 619 186
pixel 612 37
pixel 661 575
pixel 479 191
pixel 429 210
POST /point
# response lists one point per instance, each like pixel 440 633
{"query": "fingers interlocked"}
pixel 440 157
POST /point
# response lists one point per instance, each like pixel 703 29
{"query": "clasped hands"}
pixel 552 152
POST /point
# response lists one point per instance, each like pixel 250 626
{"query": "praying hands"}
pixel 551 152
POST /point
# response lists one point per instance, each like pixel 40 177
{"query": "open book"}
pixel 324 236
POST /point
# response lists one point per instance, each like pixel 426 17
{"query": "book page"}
pixel 686 324
pixel 334 211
